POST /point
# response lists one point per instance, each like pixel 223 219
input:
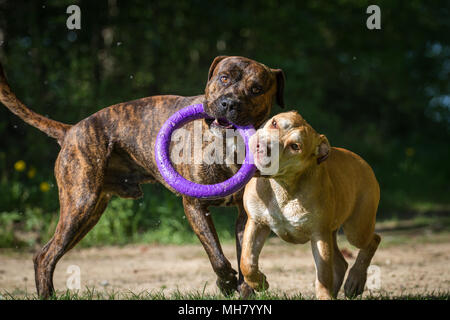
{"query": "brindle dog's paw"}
pixel 227 286
pixel 245 291
pixel 354 286
pixel 258 282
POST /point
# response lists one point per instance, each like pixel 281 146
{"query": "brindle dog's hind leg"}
pixel 203 226
pixel 81 205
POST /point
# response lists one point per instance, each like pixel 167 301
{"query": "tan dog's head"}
pixel 287 144
pixel 241 91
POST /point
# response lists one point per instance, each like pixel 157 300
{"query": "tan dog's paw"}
pixel 324 296
pixel 258 281
pixel 354 285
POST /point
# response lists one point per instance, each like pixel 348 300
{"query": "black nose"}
pixel 228 104
pixel 264 148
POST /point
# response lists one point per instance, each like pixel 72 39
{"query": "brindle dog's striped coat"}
pixel 111 153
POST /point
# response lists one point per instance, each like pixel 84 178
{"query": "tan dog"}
pixel 309 198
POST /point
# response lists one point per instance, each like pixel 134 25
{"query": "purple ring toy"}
pixel 189 188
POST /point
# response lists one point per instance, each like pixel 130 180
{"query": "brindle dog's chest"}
pixel 215 162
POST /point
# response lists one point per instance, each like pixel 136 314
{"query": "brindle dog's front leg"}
pixel 203 226
pixel 244 289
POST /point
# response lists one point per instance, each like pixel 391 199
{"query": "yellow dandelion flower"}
pixel 410 152
pixel 44 186
pixel 31 173
pixel 20 165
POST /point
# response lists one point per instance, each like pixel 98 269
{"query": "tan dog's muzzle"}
pixel 265 148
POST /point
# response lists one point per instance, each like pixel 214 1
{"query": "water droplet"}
pixel 15 126
pixel 126 180
pixel 104 283
pixel 221 45
pixel 72 36
pixel 131 77
pixel 119 44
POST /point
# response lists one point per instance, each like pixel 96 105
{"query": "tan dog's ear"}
pixel 281 78
pixel 323 149
pixel 214 65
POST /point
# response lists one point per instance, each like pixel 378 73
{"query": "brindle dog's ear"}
pixel 323 149
pixel 263 124
pixel 214 64
pixel 281 78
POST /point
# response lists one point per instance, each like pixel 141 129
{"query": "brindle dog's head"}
pixel 241 91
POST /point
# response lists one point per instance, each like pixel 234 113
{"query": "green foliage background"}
pixel 384 94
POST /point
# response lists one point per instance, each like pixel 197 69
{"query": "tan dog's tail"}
pixel 51 127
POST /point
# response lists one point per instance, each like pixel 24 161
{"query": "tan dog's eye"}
pixel 256 90
pixel 295 147
pixel 224 79
pixel 274 124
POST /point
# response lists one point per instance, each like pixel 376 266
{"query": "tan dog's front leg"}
pixel 322 248
pixel 255 235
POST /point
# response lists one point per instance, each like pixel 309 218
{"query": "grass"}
pixel 93 294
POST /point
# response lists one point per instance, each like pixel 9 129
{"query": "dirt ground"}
pixel 407 265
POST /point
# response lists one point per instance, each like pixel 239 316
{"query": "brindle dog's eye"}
pixel 295 147
pixel 224 79
pixel 256 90
pixel 274 124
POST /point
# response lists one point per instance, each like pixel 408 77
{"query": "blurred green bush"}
pixel 155 219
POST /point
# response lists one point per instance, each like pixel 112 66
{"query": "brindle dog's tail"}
pixel 51 127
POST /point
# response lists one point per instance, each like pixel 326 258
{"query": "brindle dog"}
pixel 112 153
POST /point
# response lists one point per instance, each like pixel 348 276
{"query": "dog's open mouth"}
pixel 220 123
